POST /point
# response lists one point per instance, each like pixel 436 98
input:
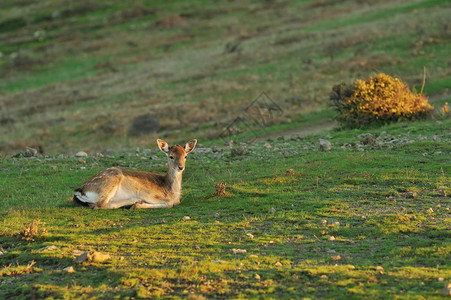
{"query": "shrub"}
pixel 379 98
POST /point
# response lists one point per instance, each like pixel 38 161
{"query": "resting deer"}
pixel 115 188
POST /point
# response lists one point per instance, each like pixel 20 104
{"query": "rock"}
pixel 337 223
pixel 272 210
pixel 367 138
pixel 82 160
pixel 324 277
pixel 69 270
pixel 379 268
pixel 250 235
pixel 278 264
pixel 324 222
pixel 430 211
pixel 440 279
pixel 332 238
pixel 446 291
pixel 324 145
pixel 143 124
pixel 257 277
pixel 1 253
pixel 336 257
pixel 214 149
pixel 29 152
pixel 239 150
pixel 81 154
pixel 267 146
pixel 186 218
pixel 411 195
pixel 49 248
pixel 93 256
pixel 100 257
pixel 238 251
pixel 289 172
pixel 83 257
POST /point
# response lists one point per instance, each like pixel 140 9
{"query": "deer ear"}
pixel 190 146
pixel 163 146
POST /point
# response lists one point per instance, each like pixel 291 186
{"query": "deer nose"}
pixel 181 168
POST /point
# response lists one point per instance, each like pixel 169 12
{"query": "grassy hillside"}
pixel 75 74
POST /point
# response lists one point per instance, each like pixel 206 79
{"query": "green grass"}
pixel 157 254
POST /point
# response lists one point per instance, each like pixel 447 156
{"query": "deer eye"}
pixel 186 156
pixel 171 157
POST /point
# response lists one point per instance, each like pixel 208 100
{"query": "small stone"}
pixel 217 215
pixel 238 251
pixel 332 238
pixel 430 211
pixel 81 154
pixel 367 138
pixel 267 146
pixel 324 145
pixel 1 253
pixel 440 279
pixel 250 235
pixel 337 223
pixel 257 277
pixel 272 210
pixel 214 149
pixel 92 256
pixel 82 160
pixel 69 270
pixel 278 264
pixel 29 152
pixel 100 257
pixel 186 218
pixel 83 257
pixel 49 248
pixel 99 155
pixel 289 172
pixel 197 247
pixel 379 268
pixel 324 277
pixel 336 257
pixel 239 150
pixel 446 291
pixel 324 222
pixel 53 167
pixel 411 195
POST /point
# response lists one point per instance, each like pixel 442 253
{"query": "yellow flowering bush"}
pixel 378 98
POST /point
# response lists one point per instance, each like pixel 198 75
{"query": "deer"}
pixel 116 188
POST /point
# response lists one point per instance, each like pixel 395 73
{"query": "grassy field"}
pixel 370 218
pixel 365 219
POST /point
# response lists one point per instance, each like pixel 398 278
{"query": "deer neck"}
pixel 174 184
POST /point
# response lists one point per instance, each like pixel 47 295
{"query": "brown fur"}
pixel 140 189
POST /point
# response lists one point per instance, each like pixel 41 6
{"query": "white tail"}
pixel 114 188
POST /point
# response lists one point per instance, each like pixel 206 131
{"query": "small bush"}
pixel 379 98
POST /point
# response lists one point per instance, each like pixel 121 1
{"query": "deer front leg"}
pixel 139 205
